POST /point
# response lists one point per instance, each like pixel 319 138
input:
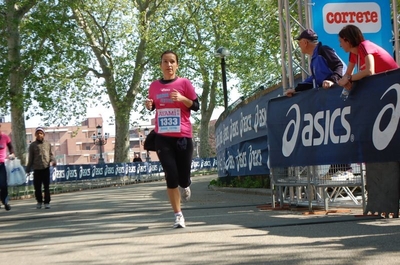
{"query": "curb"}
pixel 265 192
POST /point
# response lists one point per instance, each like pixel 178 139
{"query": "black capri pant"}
pixel 175 155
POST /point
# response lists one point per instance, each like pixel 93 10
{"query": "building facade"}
pixel 75 144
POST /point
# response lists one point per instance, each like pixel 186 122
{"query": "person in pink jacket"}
pixel 368 57
pixel 5 142
pixel 173 98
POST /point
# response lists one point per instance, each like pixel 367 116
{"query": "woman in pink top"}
pixel 173 98
pixel 367 56
pixel 5 142
pixel 371 59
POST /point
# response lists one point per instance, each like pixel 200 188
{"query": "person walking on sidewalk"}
pixel 137 159
pixel 5 141
pixel 173 98
pixel 40 157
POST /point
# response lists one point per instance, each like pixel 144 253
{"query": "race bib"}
pixel 169 120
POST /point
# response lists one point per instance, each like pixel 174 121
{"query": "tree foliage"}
pixel 41 65
pixel 74 50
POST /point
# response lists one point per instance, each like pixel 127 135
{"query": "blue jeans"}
pixel 3 184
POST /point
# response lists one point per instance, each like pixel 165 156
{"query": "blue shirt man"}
pixel 326 66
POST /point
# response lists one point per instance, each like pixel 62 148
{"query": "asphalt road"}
pixel 133 225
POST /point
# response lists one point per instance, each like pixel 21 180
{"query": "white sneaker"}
pixel 179 222
pixel 185 194
pixel 47 206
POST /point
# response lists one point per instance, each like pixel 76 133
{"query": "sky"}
pixel 98 111
pixel 34 122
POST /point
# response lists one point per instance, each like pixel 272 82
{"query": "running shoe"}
pixel 179 222
pixel 39 205
pixel 185 194
pixel 47 206
pixel 7 207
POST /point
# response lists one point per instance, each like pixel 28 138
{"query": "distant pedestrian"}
pixel 5 141
pixel 174 98
pixel 40 157
pixel 137 158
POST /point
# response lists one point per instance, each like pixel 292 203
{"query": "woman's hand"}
pixel 176 96
pixel 344 81
pixel 149 104
pixel 348 86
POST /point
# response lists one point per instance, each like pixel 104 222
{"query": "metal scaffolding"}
pixel 293 62
pixel 305 182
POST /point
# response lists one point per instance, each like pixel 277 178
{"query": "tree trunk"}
pixel 204 149
pixel 18 132
pixel 121 152
pixel 16 77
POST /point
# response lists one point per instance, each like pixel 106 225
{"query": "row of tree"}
pixel 55 55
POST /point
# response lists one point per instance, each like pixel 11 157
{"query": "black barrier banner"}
pixel 204 164
pixel 244 159
pixel 316 127
pixel 65 173
pixel 246 123
pixel 241 139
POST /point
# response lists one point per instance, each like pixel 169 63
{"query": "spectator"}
pixel 173 98
pixel 367 56
pixel 370 59
pixel 137 158
pixel 5 141
pixel 326 70
pixel 326 66
pixel 40 157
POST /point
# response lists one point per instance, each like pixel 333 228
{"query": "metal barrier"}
pixel 322 184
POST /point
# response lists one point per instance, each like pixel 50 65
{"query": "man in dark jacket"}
pixel 137 158
pixel 326 66
pixel 40 157
pixel 326 70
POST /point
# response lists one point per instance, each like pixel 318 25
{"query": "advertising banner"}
pixel 68 173
pixel 316 127
pixel 245 158
pixel 241 139
pixel 372 17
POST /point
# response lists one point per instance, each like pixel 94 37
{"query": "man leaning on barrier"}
pixel 326 70
pixel 326 66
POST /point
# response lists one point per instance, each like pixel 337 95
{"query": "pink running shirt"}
pixel 383 60
pixel 4 140
pixel 172 118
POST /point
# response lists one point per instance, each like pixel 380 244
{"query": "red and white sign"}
pixel 367 16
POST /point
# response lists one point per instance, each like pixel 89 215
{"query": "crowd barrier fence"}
pixel 67 178
pixel 320 185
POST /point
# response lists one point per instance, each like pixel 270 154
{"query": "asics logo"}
pixel 382 138
pixel 288 145
pixel 318 129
